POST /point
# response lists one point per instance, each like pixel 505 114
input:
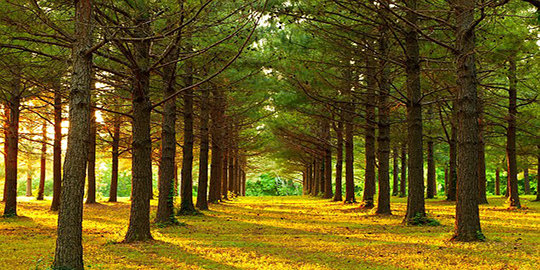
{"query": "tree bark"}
pixel 139 219
pixel 69 250
pixel 115 151
pixel 202 191
pixel 513 196
pixel 383 149
pixel 42 163
pixel 452 179
pixel 538 175
pixel 29 179
pixel 497 181
pixel 225 169
pixel 186 204
pixel 216 170
pixel 371 123
pixel 526 184
pixel 57 149
pixel 467 226
pixel 482 180
pixel 12 145
pixel 431 171
pixel 328 192
pixel 338 195
pixel 165 210
pixel 395 172
pixel 91 195
pixel 403 180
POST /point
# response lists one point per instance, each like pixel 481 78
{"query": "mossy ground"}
pixel 281 233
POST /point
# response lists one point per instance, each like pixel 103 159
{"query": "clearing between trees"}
pixel 281 233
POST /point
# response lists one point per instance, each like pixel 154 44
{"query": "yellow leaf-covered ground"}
pixel 281 233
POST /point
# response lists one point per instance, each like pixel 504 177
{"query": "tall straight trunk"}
pixel 115 152
pixel 482 180
pixel 91 194
pixel 231 178
pixel 467 226
pixel 322 174
pixel 244 182
pixel 307 185
pixel 403 180
pixel 431 171
pixel 349 139
pixel 538 175
pixel 513 195
pixel 57 149
pixel 446 179
pixel 12 145
pixel 5 126
pixel 186 204
pixel 165 210
pixel 497 181
pixel 317 174
pixel 29 179
pixel 526 184
pixel 415 198
pixel 395 172
pixel 383 149
pixel 69 250
pixel 216 170
pixel 371 123
pixel 452 179
pixel 42 163
pixel 225 171
pixel 328 193
pixel 338 196
pixel 141 163
pixel 202 191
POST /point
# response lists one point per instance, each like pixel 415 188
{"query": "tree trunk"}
pixel 446 179
pixel 165 210
pixel 113 191
pixel 328 193
pixel 29 179
pixel 43 163
pixel 91 195
pixel 383 149
pixel 69 250
pixel 216 169
pixel 513 195
pixel 452 180
pixel 186 204
pixel 141 164
pixel 497 181
pixel 338 196
pixel 12 145
pixel 403 180
pixel 538 175
pixel 482 180
pixel 431 171
pixel 57 149
pixel 202 191
pixel 415 199
pixel 395 172
pixel 225 169
pixel 467 226
pixel 371 123
pixel 526 184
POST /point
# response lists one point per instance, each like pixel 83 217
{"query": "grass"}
pixel 281 233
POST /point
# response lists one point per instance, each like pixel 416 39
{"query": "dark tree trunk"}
pixel 231 178
pixel 446 180
pixel 186 187
pixel 69 250
pixel 467 226
pixel 12 146
pixel 113 192
pixel 139 219
pixel 338 196
pixel 371 123
pixel 216 169
pixel 225 169
pixel 383 149
pixel 91 194
pixel 497 181
pixel 165 210
pixel 57 149
pixel 202 191
pixel 395 172
pixel 431 171
pixel 482 181
pixel 29 180
pixel 328 193
pixel 538 175
pixel 403 180
pixel 452 179
pixel 43 163
pixel 415 199
pixel 317 177
pixel 511 135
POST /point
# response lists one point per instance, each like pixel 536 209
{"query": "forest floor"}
pixel 281 233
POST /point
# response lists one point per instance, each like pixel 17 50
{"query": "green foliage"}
pixel 269 184
pixel 421 220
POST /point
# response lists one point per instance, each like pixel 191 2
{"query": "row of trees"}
pixel 140 62
pixel 425 81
